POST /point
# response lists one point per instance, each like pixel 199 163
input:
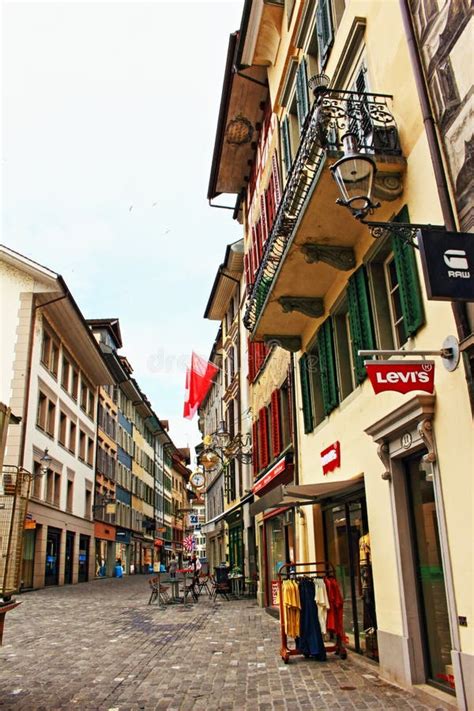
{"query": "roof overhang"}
pixel 227 277
pixel 292 495
pixel 240 111
pixel 263 33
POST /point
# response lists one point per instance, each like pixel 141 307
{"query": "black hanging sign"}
pixel 448 264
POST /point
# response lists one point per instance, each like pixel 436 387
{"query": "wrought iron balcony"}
pixel 332 115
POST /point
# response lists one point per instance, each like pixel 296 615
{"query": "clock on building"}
pixel 198 480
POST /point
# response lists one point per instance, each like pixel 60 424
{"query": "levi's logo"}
pixel 401 376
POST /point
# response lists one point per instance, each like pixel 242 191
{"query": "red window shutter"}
pixel 251 360
pixel 263 444
pixel 255 448
pixel 276 423
pixel 259 230
pixel 276 179
pixel 270 200
pixel 263 219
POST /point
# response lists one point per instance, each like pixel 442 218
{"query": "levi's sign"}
pixel 400 375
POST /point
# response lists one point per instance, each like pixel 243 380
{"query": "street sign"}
pixel 448 264
pixel 401 376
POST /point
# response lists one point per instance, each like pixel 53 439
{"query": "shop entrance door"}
pixel 29 537
pixel 69 563
pixel 235 547
pixel 53 541
pixel 83 575
pixel 348 549
pixel 429 575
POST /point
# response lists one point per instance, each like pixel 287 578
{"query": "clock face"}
pixel 198 480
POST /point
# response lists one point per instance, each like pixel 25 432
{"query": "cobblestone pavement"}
pixel 100 646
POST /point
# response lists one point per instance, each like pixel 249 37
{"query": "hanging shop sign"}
pixel 401 376
pixel 275 593
pixel 270 475
pixel 448 264
pixel 331 458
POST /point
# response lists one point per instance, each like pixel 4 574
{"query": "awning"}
pixel 208 527
pixel 301 494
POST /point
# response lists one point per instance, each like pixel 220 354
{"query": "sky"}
pixel 109 113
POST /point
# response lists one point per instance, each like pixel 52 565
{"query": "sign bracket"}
pixel 449 353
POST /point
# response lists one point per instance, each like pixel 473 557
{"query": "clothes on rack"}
pixel 322 603
pixel 292 607
pixel 310 640
pixel 334 621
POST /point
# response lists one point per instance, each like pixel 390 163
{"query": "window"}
pixel 88 504
pixel 49 486
pixel 37 480
pixel 46 348
pixel 51 418
pixel 285 416
pixel 50 353
pixel 65 373
pixel 343 351
pixel 82 446
pixel 42 411
pixel 84 396
pixel 54 360
pixel 62 428
pixel 72 437
pixel 325 32
pixel 57 489
pixel 90 452
pixel 302 97
pixel 75 383
pixel 399 332
pixel 69 495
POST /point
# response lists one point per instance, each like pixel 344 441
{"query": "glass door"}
pixel 430 576
pixel 83 575
pixel 68 566
pixel 29 537
pixel 51 573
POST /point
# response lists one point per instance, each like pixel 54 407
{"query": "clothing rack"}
pixel 289 571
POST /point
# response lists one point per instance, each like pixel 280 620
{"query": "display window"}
pixel 279 548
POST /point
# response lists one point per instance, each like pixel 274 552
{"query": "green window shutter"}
pixel 325 30
pixel 327 367
pixel 286 145
pixel 306 394
pixel 302 99
pixel 360 319
pixel 408 280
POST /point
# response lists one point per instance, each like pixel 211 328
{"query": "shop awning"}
pixel 301 494
pixel 208 527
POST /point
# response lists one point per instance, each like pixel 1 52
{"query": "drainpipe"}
pixel 459 308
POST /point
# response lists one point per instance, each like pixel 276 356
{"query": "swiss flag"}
pixel 199 379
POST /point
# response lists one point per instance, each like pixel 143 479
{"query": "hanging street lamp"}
pixel 354 174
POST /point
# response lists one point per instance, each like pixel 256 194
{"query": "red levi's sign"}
pixel 401 376
pixel 331 458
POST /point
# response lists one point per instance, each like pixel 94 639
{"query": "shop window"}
pixel 72 437
pixel 62 428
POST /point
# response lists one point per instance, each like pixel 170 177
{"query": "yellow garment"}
pixel 364 550
pixel 291 606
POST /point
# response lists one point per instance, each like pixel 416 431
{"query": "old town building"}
pixel 374 483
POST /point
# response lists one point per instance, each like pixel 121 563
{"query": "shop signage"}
pixel 331 458
pixel 275 593
pixel 401 376
pixel 193 518
pixel 270 475
pixel 448 264
pixel 29 524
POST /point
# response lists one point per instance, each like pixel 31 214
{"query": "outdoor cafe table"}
pixel 174 582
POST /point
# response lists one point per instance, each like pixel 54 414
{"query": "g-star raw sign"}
pixel 400 375
pixel 331 458
pixel 448 264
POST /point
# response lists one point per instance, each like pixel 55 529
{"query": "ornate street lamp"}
pixel 221 448
pixel 354 174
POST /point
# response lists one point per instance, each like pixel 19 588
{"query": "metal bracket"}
pixel 406 231
pixel 449 353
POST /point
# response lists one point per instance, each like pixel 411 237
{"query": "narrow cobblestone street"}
pixel 100 646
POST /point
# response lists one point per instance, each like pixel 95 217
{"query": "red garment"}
pixel 335 617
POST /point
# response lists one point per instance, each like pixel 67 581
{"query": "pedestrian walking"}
pixel 173 567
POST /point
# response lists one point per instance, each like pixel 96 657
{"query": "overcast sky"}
pixel 109 115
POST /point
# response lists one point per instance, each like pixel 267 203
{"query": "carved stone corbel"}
pixel 388 186
pixel 384 456
pixel 310 306
pixel 342 258
pixel 425 430
pixel 288 343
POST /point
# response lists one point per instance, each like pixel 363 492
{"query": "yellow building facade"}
pixel 382 484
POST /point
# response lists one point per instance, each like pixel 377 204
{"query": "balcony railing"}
pixel 330 118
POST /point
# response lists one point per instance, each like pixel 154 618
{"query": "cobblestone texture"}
pixel 100 646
